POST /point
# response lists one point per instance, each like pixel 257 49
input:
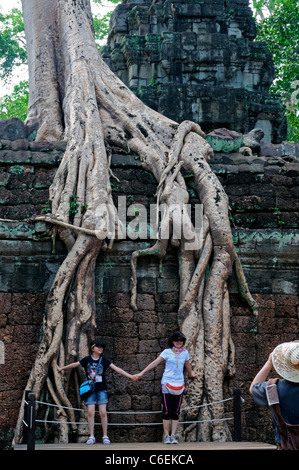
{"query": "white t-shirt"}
pixel 174 367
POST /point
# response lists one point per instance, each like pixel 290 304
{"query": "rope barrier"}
pixel 135 412
pixel 132 424
pixel 132 413
pixel 30 403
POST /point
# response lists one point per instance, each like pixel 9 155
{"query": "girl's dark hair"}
pixel 177 335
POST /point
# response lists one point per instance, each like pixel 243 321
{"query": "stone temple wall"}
pixel 263 193
pixel 196 60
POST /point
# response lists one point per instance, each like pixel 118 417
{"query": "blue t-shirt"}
pixel 288 393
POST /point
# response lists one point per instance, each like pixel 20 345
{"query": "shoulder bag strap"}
pixel 273 401
pixel 98 366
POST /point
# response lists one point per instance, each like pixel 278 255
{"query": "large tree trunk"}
pixel 74 96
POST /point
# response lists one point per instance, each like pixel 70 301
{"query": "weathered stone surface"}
pixel 224 140
pixel 13 129
pixel 279 150
pixel 196 60
pixel 263 195
pixel 253 139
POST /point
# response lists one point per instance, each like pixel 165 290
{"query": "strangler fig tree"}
pixel 75 97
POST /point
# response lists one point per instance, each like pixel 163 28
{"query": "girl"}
pixel 176 357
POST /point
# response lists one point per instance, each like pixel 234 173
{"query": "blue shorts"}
pixel 97 398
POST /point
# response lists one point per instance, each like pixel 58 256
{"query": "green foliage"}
pixel 73 204
pixel 101 22
pixel 12 43
pixel 279 29
pixel 101 27
pixel 15 104
pixel 47 207
pixel 13 54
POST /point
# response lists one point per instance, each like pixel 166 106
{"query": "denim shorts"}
pixel 97 398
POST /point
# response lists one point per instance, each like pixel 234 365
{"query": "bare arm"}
pixel 262 375
pixel 120 371
pixel 69 366
pixel 189 370
pixel 153 364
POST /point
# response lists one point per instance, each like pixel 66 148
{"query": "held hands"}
pixel 136 377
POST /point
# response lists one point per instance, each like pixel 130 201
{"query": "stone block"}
pixel 145 302
pixel 271 150
pixel 14 129
pixel 120 402
pixel 224 140
pixel 124 346
pixel 291 149
pixel 146 316
pixel 147 330
pixel 167 285
pixel 149 346
pixel 146 285
pixel 5 302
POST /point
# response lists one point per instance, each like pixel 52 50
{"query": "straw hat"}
pixel 285 359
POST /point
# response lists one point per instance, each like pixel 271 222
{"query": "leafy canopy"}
pixel 12 43
pixel 277 25
pixel 13 55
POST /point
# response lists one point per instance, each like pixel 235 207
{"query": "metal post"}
pixel 26 417
pixel 237 415
pixel 31 422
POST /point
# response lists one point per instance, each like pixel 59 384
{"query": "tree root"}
pixel 98 110
pixel 243 287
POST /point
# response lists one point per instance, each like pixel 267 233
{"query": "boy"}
pixel 95 367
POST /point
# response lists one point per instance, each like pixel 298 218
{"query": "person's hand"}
pixel 269 360
pixel 136 377
pixel 59 368
pixel 193 375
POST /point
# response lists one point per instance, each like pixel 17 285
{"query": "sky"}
pixel 7 5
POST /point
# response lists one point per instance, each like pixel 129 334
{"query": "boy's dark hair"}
pixel 96 343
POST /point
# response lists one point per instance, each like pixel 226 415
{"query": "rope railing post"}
pixel 237 415
pixel 25 420
pixel 29 420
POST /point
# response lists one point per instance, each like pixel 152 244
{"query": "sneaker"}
pixel 91 440
pixel 167 440
pixel 106 440
pixel 173 440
